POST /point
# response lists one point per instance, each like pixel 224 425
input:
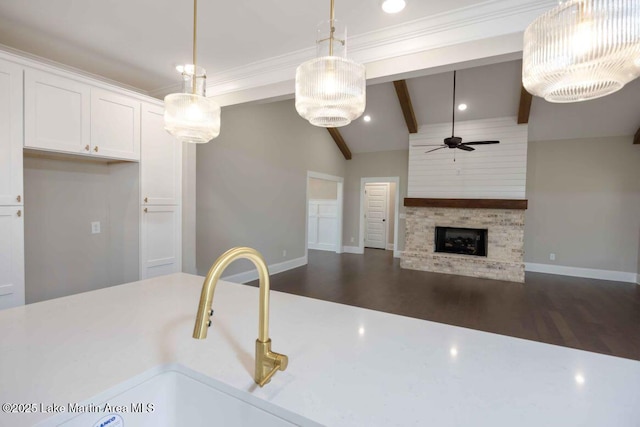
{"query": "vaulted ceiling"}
pixel 489 91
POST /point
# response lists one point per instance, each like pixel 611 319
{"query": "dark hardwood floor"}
pixel 593 315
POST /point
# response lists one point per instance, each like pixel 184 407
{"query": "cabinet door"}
pixel 161 160
pixel 10 134
pixel 115 125
pixel 161 241
pixel 11 256
pixel 56 113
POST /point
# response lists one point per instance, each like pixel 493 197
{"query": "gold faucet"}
pixel 267 361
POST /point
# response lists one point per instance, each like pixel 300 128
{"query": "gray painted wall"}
pixel 252 180
pixel 584 203
pixel 366 165
pixel 62 198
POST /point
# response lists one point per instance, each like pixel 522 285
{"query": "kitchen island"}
pixel 347 366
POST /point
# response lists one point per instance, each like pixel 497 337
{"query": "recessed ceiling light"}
pixel 367 119
pixel 580 379
pixel 453 351
pixel 393 6
pixel 462 107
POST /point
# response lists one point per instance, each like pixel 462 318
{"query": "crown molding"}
pixel 490 19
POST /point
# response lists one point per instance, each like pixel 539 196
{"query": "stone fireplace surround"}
pixel 503 218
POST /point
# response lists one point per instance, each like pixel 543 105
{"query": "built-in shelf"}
pixel 467 203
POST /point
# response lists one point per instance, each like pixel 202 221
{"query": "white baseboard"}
pixel 389 246
pixel 352 250
pixel 589 273
pixel 249 276
pixel 321 247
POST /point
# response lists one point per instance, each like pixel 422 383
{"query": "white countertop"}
pixel 347 366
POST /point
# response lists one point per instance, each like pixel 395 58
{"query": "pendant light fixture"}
pixel 190 116
pixel 582 49
pixel 330 89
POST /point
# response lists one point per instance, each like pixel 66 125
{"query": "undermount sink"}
pixel 180 397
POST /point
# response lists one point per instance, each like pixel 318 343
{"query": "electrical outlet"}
pixel 552 257
pixel 353 239
pixel 95 227
pixel 284 253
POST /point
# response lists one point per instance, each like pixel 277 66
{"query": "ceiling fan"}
pixel 454 141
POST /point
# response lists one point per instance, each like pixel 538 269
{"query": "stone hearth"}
pixel 505 252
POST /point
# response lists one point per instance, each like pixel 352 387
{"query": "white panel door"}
pixel 323 225
pixel 161 241
pixel 11 256
pixel 10 134
pixel 375 215
pixel 161 165
pixel 56 113
pixel 115 125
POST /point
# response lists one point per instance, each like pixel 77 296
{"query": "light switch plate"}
pixel 95 227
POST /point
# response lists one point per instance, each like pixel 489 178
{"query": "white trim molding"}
pixel 404 45
pixel 352 250
pixel 250 276
pixel 588 273
pixel 390 246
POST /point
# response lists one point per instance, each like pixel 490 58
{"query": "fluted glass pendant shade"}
pixel 190 116
pixel 582 49
pixel 331 89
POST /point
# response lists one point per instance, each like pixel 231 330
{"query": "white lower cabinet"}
pixel 11 256
pixel 161 241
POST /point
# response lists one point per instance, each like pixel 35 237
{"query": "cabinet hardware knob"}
pixel 19 213
pixel 95 148
pixel 145 210
pixel 86 147
pixel 19 199
pixel 146 200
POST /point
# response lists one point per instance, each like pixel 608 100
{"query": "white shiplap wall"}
pixel 491 172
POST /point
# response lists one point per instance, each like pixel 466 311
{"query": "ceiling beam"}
pixel 405 103
pixel 339 140
pixel 636 139
pixel 525 106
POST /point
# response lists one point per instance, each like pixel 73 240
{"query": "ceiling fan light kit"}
pixel 582 49
pixel 330 89
pixel 190 116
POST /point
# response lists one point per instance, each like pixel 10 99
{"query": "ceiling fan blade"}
pixel 465 148
pixel 481 142
pixel 436 149
pixel 427 145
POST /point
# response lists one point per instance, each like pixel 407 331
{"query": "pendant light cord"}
pixel 195 46
pixel 332 18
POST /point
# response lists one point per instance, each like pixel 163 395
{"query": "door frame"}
pixel 381 180
pixel 386 223
pixel 339 207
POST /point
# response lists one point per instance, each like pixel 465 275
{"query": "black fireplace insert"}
pixel 465 241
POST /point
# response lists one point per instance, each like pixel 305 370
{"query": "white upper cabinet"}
pixel 11 256
pixel 56 113
pixel 115 125
pixel 161 163
pixel 10 134
pixel 68 116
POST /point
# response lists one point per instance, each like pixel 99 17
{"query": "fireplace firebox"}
pixel 465 241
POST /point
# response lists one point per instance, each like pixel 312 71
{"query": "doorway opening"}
pixel 379 206
pixel 324 212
